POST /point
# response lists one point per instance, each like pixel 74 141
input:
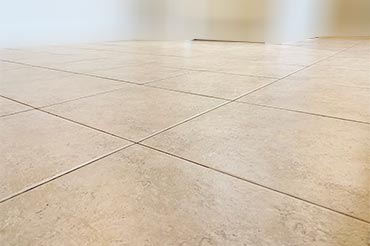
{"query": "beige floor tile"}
pixel 255 68
pixel 361 50
pixel 240 66
pixel 141 197
pixel 315 96
pixel 319 159
pixel 140 74
pixel 281 54
pixel 112 62
pixel 6 66
pixel 29 74
pixel 331 75
pixel 18 54
pixel 334 44
pixel 42 92
pixel 213 84
pixel 46 59
pixel 135 111
pixel 158 50
pixel 356 63
pixel 36 145
pixel 207 63
pixel 10 107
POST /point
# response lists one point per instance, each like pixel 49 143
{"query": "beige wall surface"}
pixel 350 18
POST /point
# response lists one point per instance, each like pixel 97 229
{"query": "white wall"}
pixel 294 20
pixel 37 22
pixel 238 20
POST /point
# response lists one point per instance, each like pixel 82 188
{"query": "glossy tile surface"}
pixel 213 84
pixel 232 143
pixel 319 159
pixel 142 197
pixel 36 146
pixel 134 112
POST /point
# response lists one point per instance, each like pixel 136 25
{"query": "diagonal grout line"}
pixel 18 112
pixel 184 72
pixel 139 142
pixel 255 183
pixel 77 73
pixel 189 93
pixel 304 112
pixel 48 180
pixel 237 98
pixel 67 119
pixel 179 123
pixel 204 112
pixel 222 72
pixel 138 53
pixel 79 98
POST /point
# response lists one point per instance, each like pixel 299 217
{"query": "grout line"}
pixel 139 142
pixel 17 112
pixel 126 81
pixel 304 112
pixel 255 183
pixel 87 126
pixel 222 72
pixel 79 98
pixel 189 93
pixel 67 119
pixel 184 72
pixel 48 180
pixel 138 53
pixel 236 98
pixel 204 112
pixel 71 72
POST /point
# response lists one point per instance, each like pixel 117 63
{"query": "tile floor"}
pixel 186 143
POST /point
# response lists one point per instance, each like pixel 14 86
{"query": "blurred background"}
pixel 40 22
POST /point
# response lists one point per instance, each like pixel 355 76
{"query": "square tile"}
pixel 220 85
pixel 322 160
pixel 141 197
pixel 134 111
pixel 139 74
pixel 37 146
pixel 9 107
pixel 318 96
pixel 46 91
